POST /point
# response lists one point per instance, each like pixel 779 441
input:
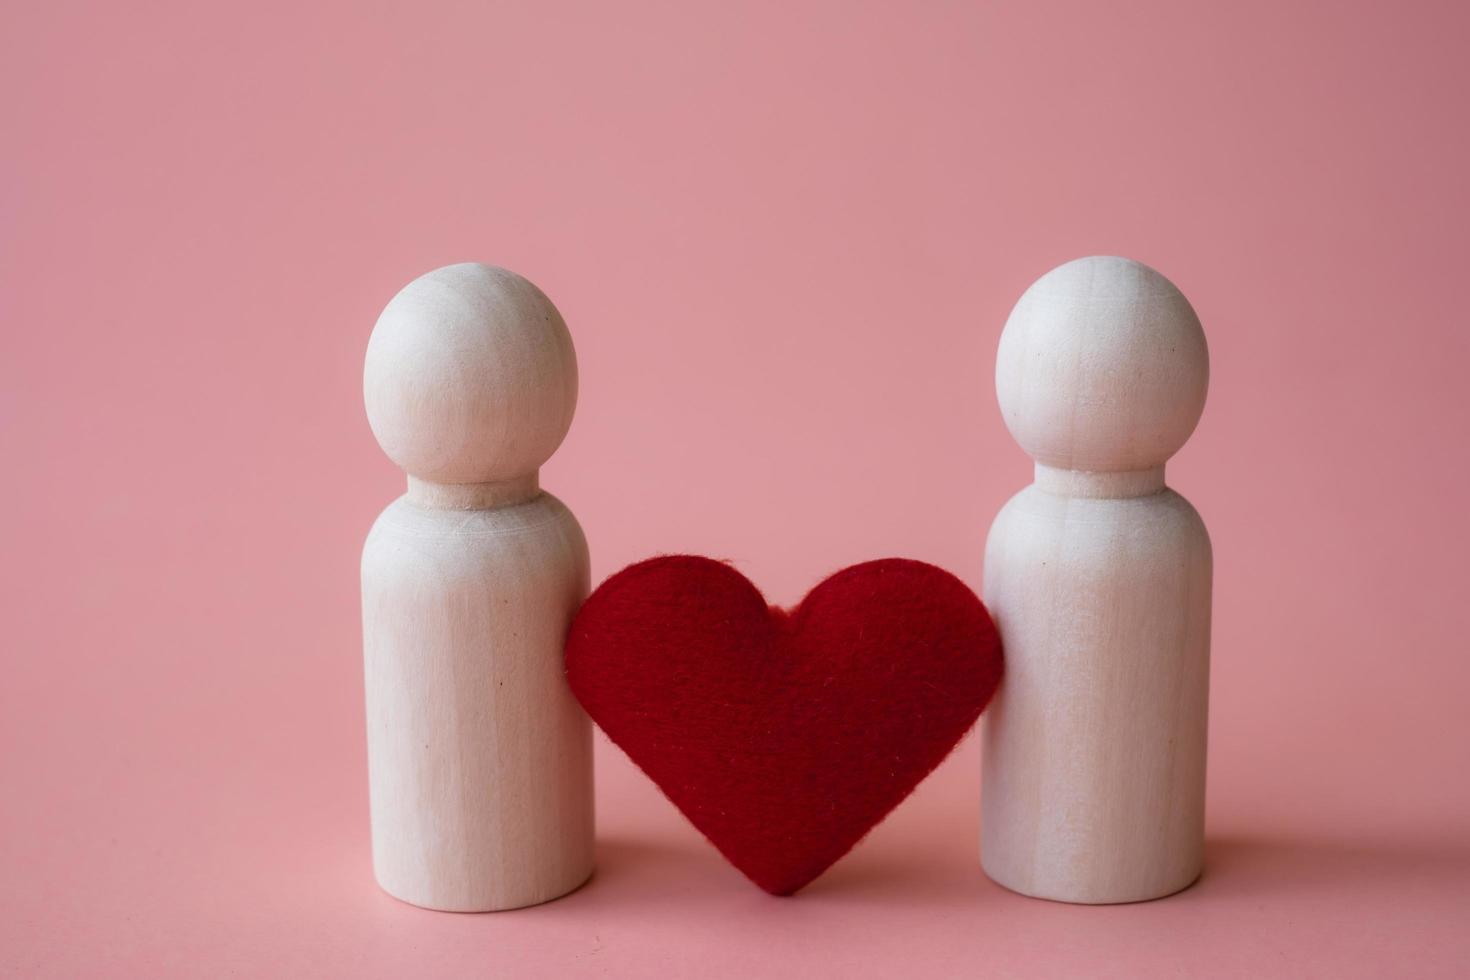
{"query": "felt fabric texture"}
pixel 784 737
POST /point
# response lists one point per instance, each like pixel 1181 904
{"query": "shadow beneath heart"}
pixel 652 873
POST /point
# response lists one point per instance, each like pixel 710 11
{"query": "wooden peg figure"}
pixel 480 760
pixel 1098 576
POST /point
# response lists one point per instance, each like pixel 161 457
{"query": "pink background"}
pixel 786 237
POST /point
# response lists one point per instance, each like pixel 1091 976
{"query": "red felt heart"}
pixel 784 737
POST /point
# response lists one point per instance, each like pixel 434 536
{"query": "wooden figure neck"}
pixel 474 496
pixel 1079 483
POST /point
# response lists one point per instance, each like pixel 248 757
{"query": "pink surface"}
pixel 785 238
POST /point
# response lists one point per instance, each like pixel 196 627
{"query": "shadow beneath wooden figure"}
pixel 1241 866
pixel 1286 867
pixel 928 874
pixel 625 866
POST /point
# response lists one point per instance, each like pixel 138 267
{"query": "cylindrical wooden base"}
pixel 480 760
pixel 1094 748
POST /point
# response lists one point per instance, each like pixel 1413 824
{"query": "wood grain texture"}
pixel 1099 579
pixel 479 758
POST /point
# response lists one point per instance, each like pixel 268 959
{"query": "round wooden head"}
pixel 1102 367
pixel 470 376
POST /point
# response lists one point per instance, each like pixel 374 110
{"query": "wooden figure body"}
pixel 1099 579
pixel 480 760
